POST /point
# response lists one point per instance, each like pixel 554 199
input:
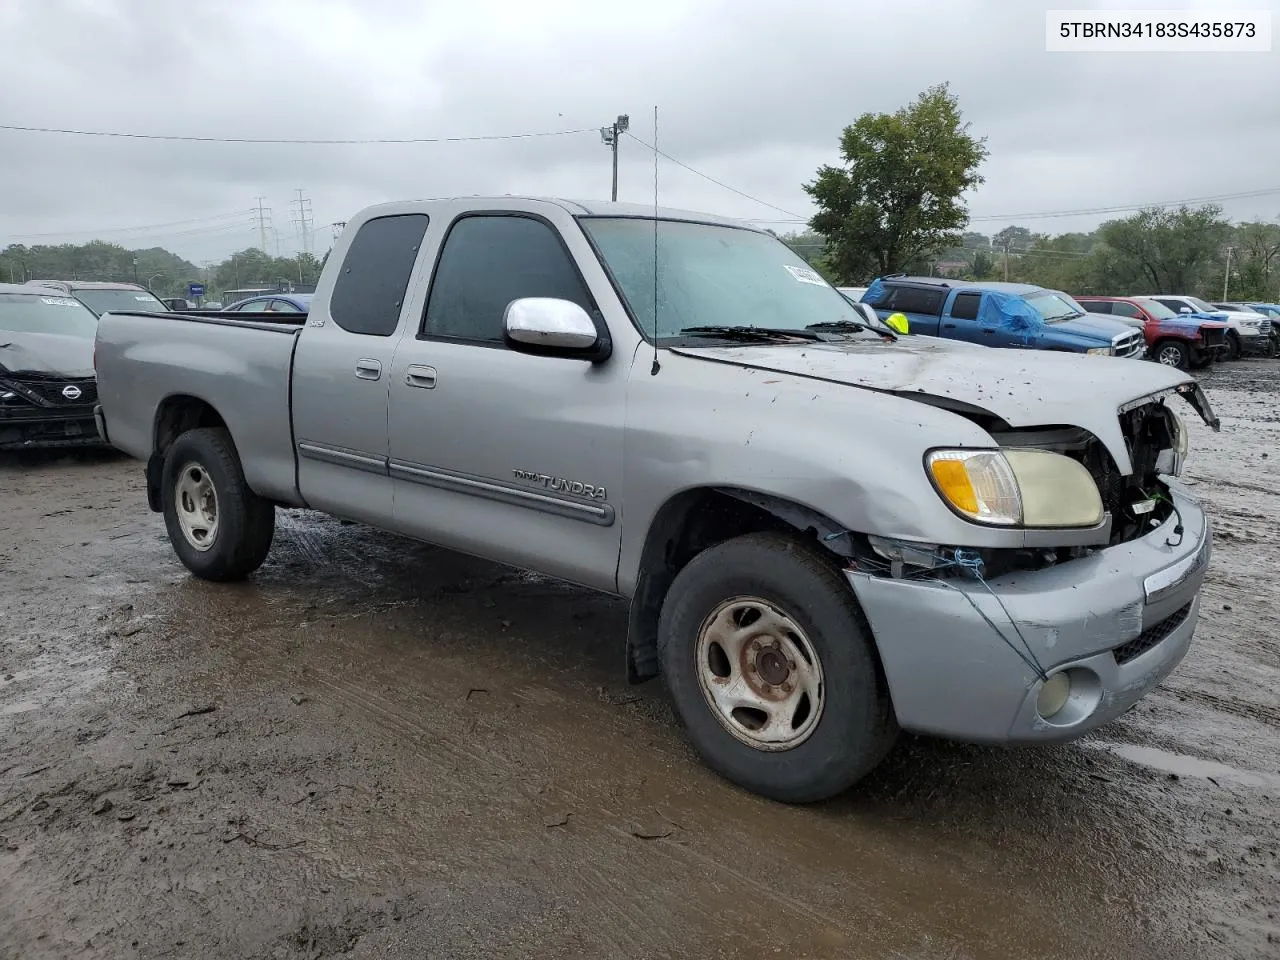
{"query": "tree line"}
pixel 165 273
pixel 894 204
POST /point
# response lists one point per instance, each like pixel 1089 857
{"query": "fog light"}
pixel 1053 695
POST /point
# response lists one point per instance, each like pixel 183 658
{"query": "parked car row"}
pixel 1177 331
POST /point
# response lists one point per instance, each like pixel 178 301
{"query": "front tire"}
pixel 220 529
pixel 1172 353
pixel 772 669
pixel 1233 345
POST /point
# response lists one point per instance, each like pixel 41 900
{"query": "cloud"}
pixel 754 95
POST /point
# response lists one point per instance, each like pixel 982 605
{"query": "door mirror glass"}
pixel 549 325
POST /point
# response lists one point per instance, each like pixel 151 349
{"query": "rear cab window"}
pixel 965 305
pixel 919 300
pixel 369 292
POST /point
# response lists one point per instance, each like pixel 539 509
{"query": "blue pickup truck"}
pixel 1002 315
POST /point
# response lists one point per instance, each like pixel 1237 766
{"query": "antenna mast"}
pixel 653 371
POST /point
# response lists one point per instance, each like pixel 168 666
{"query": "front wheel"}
pixel 1233 346
pixel 1173 353
pixel 772 669
pixel 219 528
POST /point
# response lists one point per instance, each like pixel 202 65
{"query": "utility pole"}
pixel 264 222
pixel 1226 278
pixel 303 221
pixel 609 135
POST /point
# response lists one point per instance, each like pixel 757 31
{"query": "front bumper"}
pixel 48 428
pixel 1120 620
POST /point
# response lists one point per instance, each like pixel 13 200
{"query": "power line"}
pixel 290 140
pixel 144 227
pixel 1246 195
pixel 718 183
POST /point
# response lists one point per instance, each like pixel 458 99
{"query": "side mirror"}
pixel 899 324
pixel 552 327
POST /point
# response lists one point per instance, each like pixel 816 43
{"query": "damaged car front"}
pixel 47 383
pixel 1081 594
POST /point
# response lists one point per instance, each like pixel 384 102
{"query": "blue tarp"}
pixel 1008 312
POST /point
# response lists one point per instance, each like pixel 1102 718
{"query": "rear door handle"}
pixel 416 375
pixel 368 369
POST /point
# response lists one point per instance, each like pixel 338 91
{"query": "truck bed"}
pixel 147 362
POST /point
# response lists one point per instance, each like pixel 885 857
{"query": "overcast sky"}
pixel 753 94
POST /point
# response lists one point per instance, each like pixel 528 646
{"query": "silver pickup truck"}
pixel 826 533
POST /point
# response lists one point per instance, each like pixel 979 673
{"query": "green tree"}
pixel 1162 250
pixel 897 196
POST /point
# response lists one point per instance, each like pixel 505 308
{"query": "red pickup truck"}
pixel 1172 339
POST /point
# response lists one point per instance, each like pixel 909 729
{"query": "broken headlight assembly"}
pixel 1178 455
pixel 1016 487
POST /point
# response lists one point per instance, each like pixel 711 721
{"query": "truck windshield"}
pixel 135 301
pixel 1201 305
pixel 1156 309
pixel 716 276
pixel 1054 307
pixel 65 316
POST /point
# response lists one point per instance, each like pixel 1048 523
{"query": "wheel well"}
pixel 1163 340
pixel 176 415
pixel 689 523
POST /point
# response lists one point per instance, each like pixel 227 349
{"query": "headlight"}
pixel 1016 487
pixel 1099 352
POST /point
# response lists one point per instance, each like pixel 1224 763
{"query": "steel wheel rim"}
pixel 196 504
pixel 760 674
pixel 1170 356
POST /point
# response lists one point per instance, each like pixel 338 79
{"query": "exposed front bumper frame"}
pixel 950 675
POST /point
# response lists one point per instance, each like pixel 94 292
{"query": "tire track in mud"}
pixel 1230 705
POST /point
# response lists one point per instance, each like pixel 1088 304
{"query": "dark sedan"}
pixel 47 383
pixel 273 303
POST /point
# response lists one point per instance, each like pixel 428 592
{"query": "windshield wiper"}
pixel 762 334
pixel 850 326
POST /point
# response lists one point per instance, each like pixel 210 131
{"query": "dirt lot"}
pixel 377 749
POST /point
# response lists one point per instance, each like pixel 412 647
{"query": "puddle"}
pixel 1185 766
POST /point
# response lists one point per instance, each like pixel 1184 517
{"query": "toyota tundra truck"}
pixel 826 533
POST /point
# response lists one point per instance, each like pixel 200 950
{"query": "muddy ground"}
pixel 378 749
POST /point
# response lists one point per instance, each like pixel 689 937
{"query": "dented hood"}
pixel 48 354
pixel 1025 388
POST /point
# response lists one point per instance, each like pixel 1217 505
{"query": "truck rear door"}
pixel 500 453
pixel 960 319
pixel 341 373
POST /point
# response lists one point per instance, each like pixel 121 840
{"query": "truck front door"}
pixel 341 373
pixel 498 453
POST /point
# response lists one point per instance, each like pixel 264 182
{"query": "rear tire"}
pixel 789 622
pixel 1172 353
pixel 220 529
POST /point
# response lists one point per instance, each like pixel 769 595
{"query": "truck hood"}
pixel 1092 326
pixel 1023 388
pixel 48 354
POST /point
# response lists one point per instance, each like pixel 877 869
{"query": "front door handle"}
pixel 988 330
pixel 416 375
pixel 948 326
pixel 368 369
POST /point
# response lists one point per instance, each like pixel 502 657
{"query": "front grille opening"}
pixel 1151 637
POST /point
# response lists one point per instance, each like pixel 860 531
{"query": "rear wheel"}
pixel 1172 353
pixel 219 528
pixel 772 669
